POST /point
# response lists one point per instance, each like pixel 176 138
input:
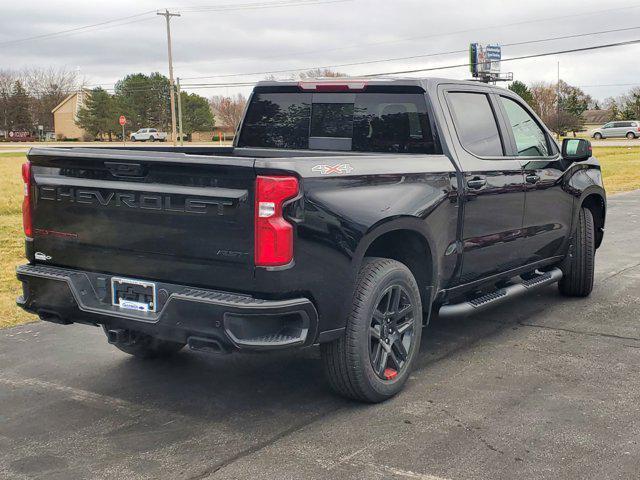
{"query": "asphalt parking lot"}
pixel 544 387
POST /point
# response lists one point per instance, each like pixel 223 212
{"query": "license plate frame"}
pixel 138 288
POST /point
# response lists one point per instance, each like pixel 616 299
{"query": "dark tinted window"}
pixel 531 140
pixel 475 123
pixel 367 122
pixel 622 124
pixel 332 120
pixel 277 120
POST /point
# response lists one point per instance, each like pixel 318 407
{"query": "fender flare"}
pixel 415 224
pixel 588 192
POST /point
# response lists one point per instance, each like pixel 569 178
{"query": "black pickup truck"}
pixel 346 212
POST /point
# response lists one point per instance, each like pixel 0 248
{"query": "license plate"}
pixel 131 294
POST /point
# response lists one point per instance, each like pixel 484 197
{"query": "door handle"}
pixel 476 183
pixel 532 178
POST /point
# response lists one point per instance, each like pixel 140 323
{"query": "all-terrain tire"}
pixel 146 346
pixel 346 361
pixel 578 268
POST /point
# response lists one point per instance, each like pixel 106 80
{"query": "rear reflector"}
pixel 273 234
pixel 26 201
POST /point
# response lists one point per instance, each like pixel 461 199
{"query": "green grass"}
pixel 620 168
pixel 11 239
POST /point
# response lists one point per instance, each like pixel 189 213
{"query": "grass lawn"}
pixel 620 167
pixel 11 239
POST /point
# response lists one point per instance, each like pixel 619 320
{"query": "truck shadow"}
pixel 286 383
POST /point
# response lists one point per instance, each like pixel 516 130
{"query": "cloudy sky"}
pixel 222 39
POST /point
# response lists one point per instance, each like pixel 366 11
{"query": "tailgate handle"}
pixel 121 169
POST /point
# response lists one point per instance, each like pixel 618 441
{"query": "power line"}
pixel 116 21
pixel 439 35
pixel 446 67
pixel 76 29
pixel 410 57
pixel 523 57
pixel 256 6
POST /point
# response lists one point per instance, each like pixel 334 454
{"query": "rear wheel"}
pixel 597 136
pixel 631 135
pixel 374 358
pixel 145 346
pixel 578 268
pixel 152 139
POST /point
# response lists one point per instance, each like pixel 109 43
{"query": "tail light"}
pixel 26 202
pixel 273 234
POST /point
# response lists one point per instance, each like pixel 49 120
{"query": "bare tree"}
pixel 7 81
pixel 320 73
pixel 48 87
pixel 228 110
pixel 545 99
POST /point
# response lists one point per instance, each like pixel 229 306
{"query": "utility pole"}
pixel 168 16
pixel 558 104
pixel 180 113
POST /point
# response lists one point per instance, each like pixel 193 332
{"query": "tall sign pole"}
pixel 558 105
pixel 123 121
pixel 167 15
pixel 180 113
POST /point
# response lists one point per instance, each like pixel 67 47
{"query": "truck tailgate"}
pixel 152 215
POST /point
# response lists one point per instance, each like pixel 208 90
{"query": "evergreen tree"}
pixel 145 100
pixel 196 113
pixel 521 89
pixel 98 116
pixel 18 109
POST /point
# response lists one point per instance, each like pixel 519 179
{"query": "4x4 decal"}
pixel 338 169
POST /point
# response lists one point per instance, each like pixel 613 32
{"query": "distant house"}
pixel 595 118
pixel 65 115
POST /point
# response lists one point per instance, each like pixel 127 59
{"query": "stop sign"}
pixel 122 120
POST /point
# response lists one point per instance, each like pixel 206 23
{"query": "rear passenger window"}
pixel 531 140
pixel 475 123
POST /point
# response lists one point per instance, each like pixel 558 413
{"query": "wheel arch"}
pixel 408 241
pixel 596 202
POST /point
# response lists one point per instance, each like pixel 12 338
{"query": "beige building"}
pixel 595 119
pixel 65 115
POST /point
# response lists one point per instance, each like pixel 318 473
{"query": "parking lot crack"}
pixel 580 332
pixel 209 472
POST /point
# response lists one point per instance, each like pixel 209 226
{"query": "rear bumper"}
pixel 184 313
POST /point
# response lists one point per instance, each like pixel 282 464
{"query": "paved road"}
pixel 545 388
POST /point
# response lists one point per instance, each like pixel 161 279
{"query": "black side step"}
pixel 500 296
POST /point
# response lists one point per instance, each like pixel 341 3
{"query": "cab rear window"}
pixel 361 122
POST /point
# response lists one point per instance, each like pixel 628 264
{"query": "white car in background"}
pixel 148 134
pixel 629 129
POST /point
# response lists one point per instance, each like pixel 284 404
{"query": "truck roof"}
pixel 425 82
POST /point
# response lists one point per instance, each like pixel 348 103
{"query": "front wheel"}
pixel 578 267
pixel 133 139
pixel 597 136
pixel 372 361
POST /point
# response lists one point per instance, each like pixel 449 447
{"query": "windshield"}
pixel 362 122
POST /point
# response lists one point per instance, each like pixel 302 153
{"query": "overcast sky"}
pixel 211 42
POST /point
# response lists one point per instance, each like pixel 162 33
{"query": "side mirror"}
pixel 576 149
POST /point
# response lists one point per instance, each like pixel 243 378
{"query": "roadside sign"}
pixel 122 120
pixel 485 60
